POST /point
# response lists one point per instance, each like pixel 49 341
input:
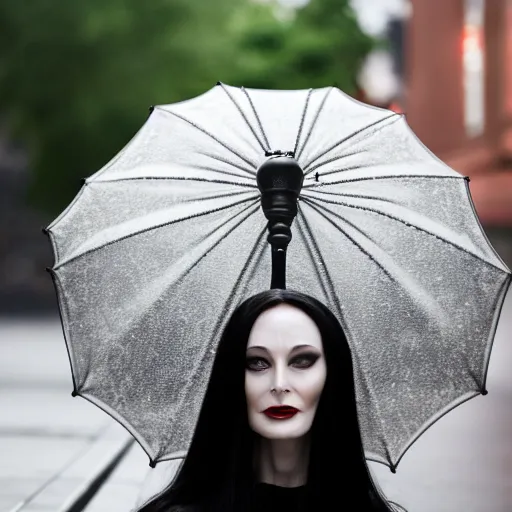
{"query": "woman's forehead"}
pixel 284 326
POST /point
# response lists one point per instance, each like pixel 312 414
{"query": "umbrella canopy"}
pixel 162 244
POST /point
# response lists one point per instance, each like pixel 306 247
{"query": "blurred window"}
pixel 473 67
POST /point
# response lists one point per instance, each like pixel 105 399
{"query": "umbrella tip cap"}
pixel 74 393
pixel 152 464
pixel 484 392
pixel 280 171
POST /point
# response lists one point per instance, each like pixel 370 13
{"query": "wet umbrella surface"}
pixel 162 244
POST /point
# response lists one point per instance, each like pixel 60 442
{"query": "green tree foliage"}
pixel 77 78
pixel 316 46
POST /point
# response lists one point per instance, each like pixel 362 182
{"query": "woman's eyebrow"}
pixel 258 347
pixel 297 347
pixel 294 349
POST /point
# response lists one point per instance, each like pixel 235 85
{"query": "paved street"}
pixel 462 464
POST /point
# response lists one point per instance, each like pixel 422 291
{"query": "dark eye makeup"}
pixel 301 361
pixel 256 364
pixel 305 360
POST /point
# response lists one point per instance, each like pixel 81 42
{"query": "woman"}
pixel 278 429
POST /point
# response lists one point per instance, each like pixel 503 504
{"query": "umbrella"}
pixel 162 243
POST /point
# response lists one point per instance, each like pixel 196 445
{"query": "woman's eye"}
pixel 256 364
pixel 304 360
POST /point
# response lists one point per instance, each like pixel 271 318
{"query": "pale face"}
pixel 285 373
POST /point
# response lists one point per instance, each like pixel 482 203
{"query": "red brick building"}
pixel 458 93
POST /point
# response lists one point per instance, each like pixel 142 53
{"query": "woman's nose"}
pixel 280 384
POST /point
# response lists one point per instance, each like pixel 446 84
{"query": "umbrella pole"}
pixel 278 269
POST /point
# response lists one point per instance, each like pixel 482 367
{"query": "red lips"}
pixel 281 412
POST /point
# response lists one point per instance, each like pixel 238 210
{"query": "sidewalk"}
pixel 43 430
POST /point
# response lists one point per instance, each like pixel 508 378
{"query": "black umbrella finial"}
pixel 280 181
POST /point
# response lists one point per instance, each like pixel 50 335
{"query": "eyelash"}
pixel 310 360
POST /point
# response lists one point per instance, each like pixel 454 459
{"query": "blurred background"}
pixel 76 82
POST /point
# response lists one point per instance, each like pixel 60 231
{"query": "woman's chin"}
pixel 284 431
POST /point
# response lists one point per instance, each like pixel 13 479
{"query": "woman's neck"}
pixel 282 462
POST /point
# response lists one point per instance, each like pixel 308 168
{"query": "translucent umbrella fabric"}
pixel 162 244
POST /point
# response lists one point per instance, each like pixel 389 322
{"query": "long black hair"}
pixel 217 473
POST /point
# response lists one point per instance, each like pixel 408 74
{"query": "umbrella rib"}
pixel 304 112
pixel 216 195
pixel 244 90
pixel 313 123
pixel 313 251
pixel 334 159
pixel 237 106
pixel 240 285
pixel 64 316
pixel 254 210
pixel 408 224
pixel 326 289
pixel 341 169
pixel 389 177
pixel 206 132
pixel 409 285
pixel 163 224
pixel 122 152
pixel 251 206
pixel 319 207
pixel 226 161
pixel 178 178
pixel 355 196
pixel 255 255
pixel 242 216
pixel 393 116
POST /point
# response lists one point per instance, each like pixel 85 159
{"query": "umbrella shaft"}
pixel 278 269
